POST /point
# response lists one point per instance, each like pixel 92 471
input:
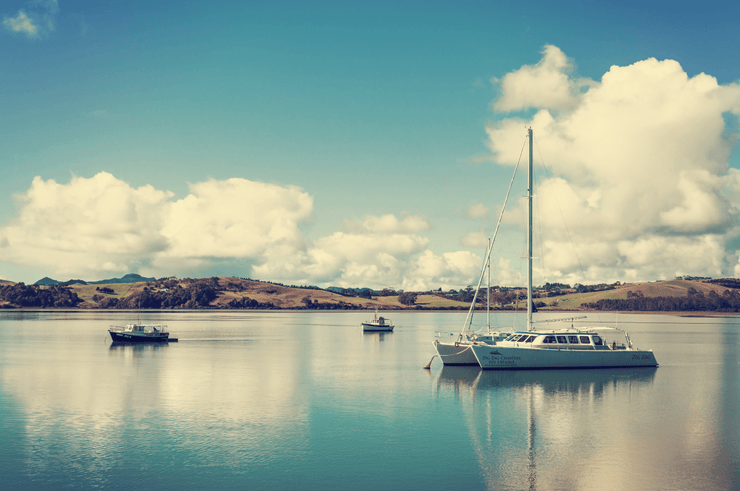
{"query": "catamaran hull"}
pixel 455 354
pixel 507 358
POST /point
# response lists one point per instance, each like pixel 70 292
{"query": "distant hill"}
pixel 46 281
pixel 129 278
pixel 229 293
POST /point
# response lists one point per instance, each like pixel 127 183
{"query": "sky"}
pixel 368 144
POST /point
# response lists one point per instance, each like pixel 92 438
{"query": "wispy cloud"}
pixel 35 22
pixel 478 210
pixel 21 23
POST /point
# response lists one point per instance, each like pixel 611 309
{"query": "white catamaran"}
pixel 542 348
pixel 564 348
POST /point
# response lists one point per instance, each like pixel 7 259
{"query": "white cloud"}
pixel 100 226
pixel 85 226
pixel 387 224
pixel 236 218
pixel 378 252
pixel 640 166
pixel 544 85
pixel 475 239
pixel 478 210
pixel 40 19
pixel 450 270
pixel 21 23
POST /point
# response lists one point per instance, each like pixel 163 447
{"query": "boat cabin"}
pixel 554 340
pixel 137 328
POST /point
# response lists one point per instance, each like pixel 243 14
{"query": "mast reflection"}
pixel 528 428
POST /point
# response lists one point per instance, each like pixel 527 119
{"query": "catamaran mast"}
pixel 529 235
pixel 488 290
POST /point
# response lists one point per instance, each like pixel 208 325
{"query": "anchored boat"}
pixel 378 324
pixel 140 333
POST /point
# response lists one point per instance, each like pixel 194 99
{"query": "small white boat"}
pixel 378 324
pixel 140 333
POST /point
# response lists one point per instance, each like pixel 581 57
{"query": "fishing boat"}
pixel 564 348
pixel 140 333
pixel 378 324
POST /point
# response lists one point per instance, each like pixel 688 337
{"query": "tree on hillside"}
pixel 407 298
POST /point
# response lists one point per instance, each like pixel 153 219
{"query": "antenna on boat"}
pixel 529 232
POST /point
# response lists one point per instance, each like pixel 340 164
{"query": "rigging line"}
pixel 565 224
pixel 486 262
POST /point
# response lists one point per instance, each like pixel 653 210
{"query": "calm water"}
pixel 306 401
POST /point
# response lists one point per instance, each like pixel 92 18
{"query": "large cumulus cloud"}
pixel 99 226
pixel 640 164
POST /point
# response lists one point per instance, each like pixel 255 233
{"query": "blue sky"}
pixel 337 143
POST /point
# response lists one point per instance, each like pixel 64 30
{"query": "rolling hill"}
pixel 237 293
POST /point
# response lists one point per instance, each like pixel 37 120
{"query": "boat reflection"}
pixel 528 429
pixel 377 336
pixel 548 380
pixel 123 346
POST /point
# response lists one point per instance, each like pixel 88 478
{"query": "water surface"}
pixel 305 400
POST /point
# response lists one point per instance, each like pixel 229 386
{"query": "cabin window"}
pixel 573 339
pixel 550 339
pixel 597 341
pixel 530 339
pixel 585 340
pixel 561 340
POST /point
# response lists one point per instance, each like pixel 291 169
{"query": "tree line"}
pixel 696 301
pixel 195 294
pixel 23 295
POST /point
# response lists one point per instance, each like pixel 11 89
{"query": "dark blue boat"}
pixel 140 333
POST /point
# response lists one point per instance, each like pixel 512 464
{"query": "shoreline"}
pixel 678 313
